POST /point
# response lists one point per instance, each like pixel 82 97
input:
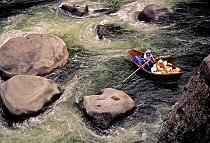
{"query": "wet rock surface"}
pixel 75 10
pixel 106 106
pixel 154 14
pixel 189 120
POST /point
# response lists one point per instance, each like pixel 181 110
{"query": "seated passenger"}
pixel 164 67
pixel 161 67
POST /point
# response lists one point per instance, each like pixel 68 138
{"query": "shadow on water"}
pixel 9 8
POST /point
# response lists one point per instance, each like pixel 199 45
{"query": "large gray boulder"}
pixel 154 14
pixel 35 54
pixel 190 119
pixel 106 106
pixel 24 95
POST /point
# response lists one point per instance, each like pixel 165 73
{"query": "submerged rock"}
pixel 108 31
pixel 36 54
pixel 25 95
pixel 75 9
pixel 106 106
pixel 190 119
pixel 105 10
pixel 155 14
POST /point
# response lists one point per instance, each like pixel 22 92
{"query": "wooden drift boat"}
pixel 172 76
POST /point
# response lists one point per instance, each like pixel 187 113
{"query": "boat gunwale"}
pixel 153 74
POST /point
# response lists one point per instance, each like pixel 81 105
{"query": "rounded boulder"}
pixel 35 54
pixel 154 14
pixel 24 95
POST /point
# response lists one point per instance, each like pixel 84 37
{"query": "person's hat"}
pixel 148 51
pixel 160 61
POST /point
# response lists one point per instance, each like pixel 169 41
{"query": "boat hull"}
pixel 172 77
pixel 162 77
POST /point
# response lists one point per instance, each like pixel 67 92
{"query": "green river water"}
pixel 96 64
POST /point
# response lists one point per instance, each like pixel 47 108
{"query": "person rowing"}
pixel 149 59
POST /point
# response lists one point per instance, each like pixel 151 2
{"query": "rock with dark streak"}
pixel 189 121
pixel 154 14
pixel 107 106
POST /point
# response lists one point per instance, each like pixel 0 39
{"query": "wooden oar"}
pixel 163 57
pixel 166 56
pixel 131 74
pixel 128 77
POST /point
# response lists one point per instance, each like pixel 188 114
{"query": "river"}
pixel 96 64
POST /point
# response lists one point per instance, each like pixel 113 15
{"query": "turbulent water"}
pixel 96 64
